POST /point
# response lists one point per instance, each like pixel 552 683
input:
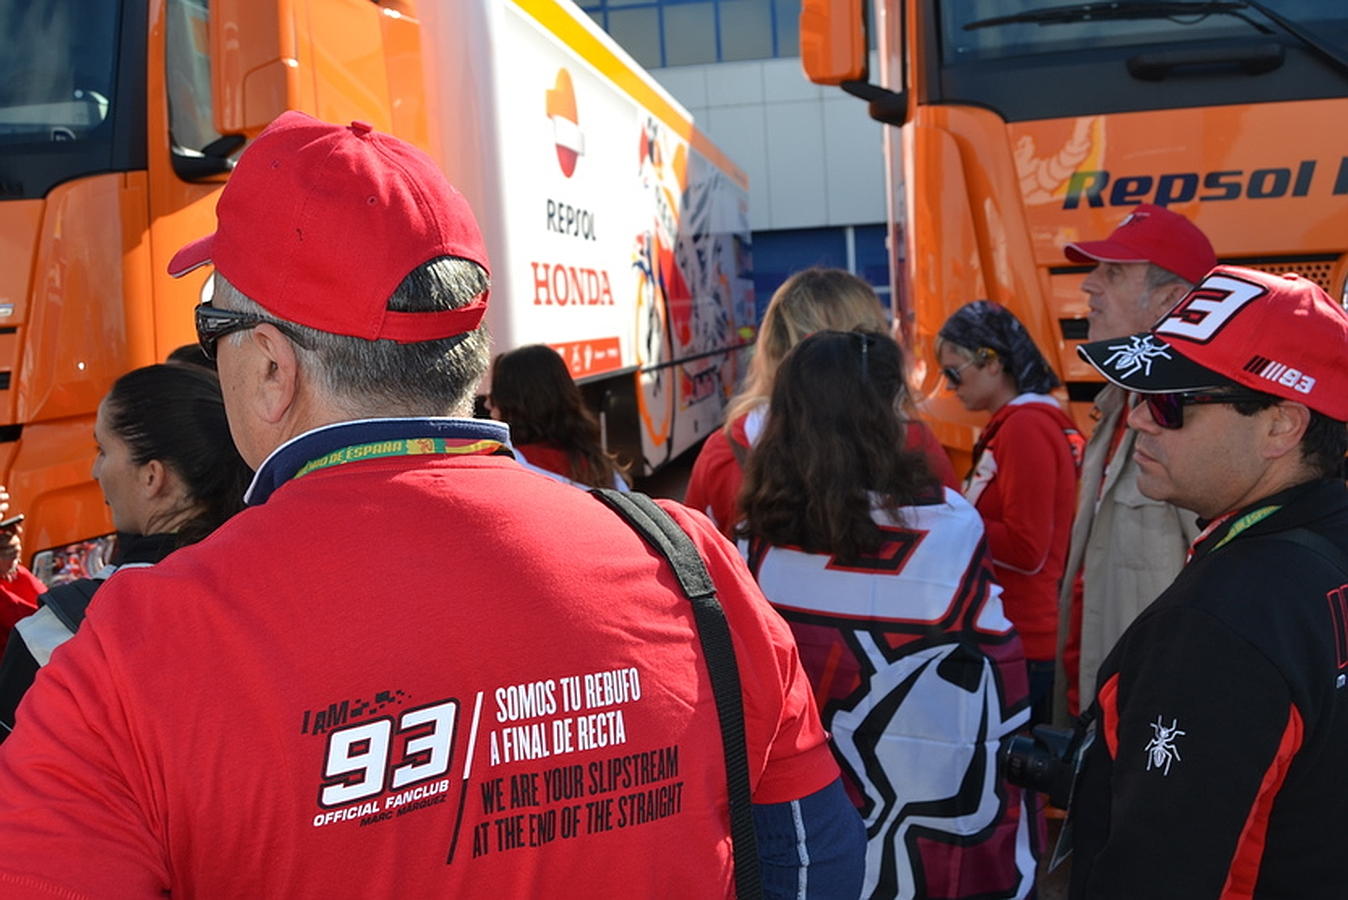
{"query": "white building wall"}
pixel 812 154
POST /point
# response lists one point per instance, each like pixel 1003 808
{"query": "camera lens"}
pixel 1043 761
pixel 1024 761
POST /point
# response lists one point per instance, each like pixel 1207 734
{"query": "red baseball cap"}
pixel 1279 334
pixel 1152 234
pixel 320 223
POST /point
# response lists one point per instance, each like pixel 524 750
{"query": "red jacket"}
pixel 18 598
pixel 1024 483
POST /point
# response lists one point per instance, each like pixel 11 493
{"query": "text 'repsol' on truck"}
pixel 1022 125
pixel 618 233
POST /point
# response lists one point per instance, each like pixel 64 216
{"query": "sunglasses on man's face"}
pixel 214 323
pixel 1167 410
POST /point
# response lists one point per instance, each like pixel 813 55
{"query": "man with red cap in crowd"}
pixel 301 706
pixel 19 588
pixel 1213 765
pixel 1125 548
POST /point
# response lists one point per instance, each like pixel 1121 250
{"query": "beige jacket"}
pixel 1129 546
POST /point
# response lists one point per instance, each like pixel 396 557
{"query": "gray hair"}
pixel 1158 277
pixel 383 377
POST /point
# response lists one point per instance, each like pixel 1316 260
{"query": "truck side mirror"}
pixel 210 161
pixel 833 41
pixel 833 50
pixel 254 63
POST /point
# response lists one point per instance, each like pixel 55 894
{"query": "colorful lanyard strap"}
pixel 402 447
pixel 1253 517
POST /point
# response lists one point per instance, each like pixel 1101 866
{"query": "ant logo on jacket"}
pixel 1161 749
pixel 566 131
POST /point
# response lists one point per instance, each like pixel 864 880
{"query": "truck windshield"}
pixel 1037 59
pixel 998 29
pixel 57 84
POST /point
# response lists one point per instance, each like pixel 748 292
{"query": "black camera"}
pixel 1045 760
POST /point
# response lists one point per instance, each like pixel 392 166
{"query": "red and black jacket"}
pixel 1218 764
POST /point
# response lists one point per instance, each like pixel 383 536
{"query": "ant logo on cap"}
pixel 561 106
pixel 1133 217
pixel 1138 354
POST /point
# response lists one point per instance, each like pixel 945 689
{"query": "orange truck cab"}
pixel 1019 126
pixel 617 232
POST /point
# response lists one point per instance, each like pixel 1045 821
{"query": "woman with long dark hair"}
pixel 551 428
pixel 1023 480
pixel 812 300
pixel 880 571
pixel 170 475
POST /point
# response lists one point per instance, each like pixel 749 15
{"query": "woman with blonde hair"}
pixel 816 299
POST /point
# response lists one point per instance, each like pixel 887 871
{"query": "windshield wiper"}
pixel 1086 12
pixel 1333 54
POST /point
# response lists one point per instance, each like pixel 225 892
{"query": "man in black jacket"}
pixel 1214 763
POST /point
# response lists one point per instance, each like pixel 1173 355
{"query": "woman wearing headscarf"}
pixel 1024 473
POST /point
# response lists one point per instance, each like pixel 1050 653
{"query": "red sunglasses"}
pixel 1167 410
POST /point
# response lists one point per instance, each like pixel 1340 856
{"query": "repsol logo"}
pixel 564 218
pixel 1101 188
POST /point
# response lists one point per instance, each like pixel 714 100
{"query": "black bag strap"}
pixel 671 542
pixel 69 601
pixel 1318 543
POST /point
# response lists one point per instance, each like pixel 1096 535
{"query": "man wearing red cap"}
pixel 516 704
pixel 1125 548
pixel 1214 762
pixel 19 588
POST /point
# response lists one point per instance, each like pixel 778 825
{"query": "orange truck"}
pixel 1019 126
pixel 618 233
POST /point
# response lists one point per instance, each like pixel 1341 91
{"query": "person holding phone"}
pixel 19 588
